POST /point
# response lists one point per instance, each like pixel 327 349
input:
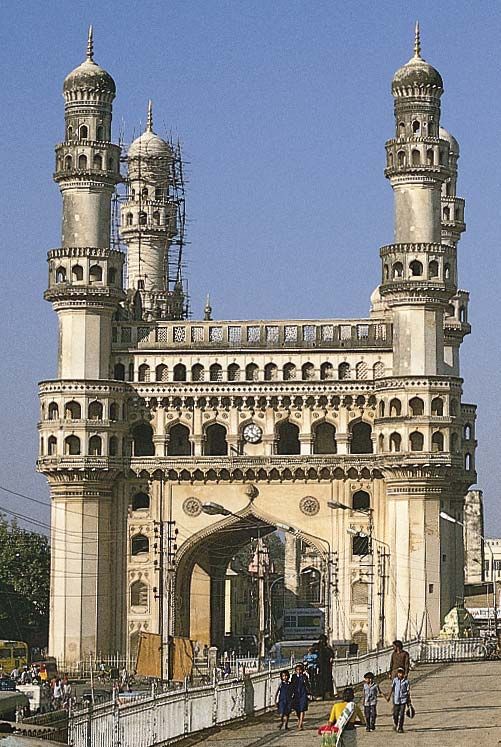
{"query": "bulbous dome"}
pixel 149 144
pixel 89 76
pixel 453 143
pixel 417 73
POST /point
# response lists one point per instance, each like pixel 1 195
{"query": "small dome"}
pixel 149 144
pixel 417 72
pixel 453 143
pixel 89 76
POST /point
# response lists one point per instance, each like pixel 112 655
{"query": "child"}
pixel 311 663
pixel 300 693
pixel 345 714
pixel 283 699
pixel 401 692
pixel 371 691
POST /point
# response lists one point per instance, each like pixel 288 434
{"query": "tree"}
pixel 24 584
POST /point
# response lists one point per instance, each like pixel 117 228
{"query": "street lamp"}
pixel 216 509
pixel 452 520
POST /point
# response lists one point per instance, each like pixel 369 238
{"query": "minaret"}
pixel 419 272
pixel 83 428
pixel 148 224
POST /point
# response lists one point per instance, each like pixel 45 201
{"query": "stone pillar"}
pixel 217 598
pixel 291 571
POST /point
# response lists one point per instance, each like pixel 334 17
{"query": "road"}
pixel 456 705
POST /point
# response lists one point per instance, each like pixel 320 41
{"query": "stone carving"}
pixel 192 507
pixel 309 505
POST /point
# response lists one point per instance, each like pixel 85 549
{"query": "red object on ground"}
pixel 327 729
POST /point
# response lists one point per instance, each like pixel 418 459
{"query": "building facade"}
pixel 332 430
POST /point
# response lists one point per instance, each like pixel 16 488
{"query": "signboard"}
pixel 149 657
pixel 484 613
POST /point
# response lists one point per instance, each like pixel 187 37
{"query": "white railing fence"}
pixel 158 718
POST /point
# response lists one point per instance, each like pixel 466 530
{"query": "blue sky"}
pixel 283 109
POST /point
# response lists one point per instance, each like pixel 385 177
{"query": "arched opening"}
pixel 382 408
pixel 378 370
pixel 454 443
pixel 467 432
pixel 430 157
pixel 144 193
pixel 468 463
pixel 112 276
pixel 156 218
pixel 310 586
pixel 60 275
pixel 68 163
pixel 96 274
pixel 216 372
pixel 98 161
pixel 161 372
pixel 270 372
pixel 251 372
pixel 143 372
pixel 114 411
pixel 139 545
pixel 71 446
pixel 416 127
pixel 397 270
pixel 381 442
pixel 395 441
pixel 139 598
pixel 437 442
pixel 215 440
pixel 95 446
pixel 361 438
pixel 143 218
pixel 179 373
pixel 84 132
pixel 361 500
pixel 179 441
pixel 416 157
pixel 69 133
pixel 447 272
pixel 386 272
pixel 324 439
pixel 140 501
pixel 446 213
pixel 288 438
pixel 100 133
pixel 82 162
pixel 113 446
pixel 307 371
pixel 416 268
pixel 416 441
pixel 416 406
pixel 77 273
pixel 142 436
pixel 72 410
pixel 433 269
pixel 326 371
pixel 53 411
pixel 197 372
pixel 289 372
pixel 360 545
pixel 361 371
pixel 111 164
pixel 129 218
pixel 119 372
pixel 52 446
pixel 343 371
pixel 437 406
pixel 95 410
pixel 233 372
pixel 395 408
pixel 130 371
pixel 401 158
pixel 462 314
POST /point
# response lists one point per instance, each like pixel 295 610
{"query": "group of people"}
pixel 294 693
pixel 28 675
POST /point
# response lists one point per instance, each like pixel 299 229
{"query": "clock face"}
pixel 252 433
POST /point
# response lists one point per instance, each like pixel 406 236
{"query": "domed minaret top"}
pixel 149 145
pixel 89 77
pixel 417 77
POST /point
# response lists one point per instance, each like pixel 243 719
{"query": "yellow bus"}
pixel 13 655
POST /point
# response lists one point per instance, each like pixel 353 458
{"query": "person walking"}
pixel 346 716
pixel 401 693
pixel 283 699
pixel 400 659
pixel 370 693
pixel 325 659
pixel 300 685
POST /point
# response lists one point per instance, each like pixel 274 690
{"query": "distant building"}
pixel 474 552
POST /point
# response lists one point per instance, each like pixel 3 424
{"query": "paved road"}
pixel 456 705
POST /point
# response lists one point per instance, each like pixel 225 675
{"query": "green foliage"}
pixel 24 584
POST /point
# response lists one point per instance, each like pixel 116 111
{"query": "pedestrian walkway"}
pixel 456 705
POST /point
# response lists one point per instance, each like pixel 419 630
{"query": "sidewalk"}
pixel 456 705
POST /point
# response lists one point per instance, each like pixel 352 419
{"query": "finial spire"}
pixel 208 309
pixel 90 45
pixel 149 120
pixel 417 41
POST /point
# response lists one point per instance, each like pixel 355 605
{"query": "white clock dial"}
pixel 252 433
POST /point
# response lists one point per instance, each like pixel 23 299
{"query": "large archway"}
pixel 216 586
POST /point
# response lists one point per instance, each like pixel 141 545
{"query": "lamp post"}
pixel 447 517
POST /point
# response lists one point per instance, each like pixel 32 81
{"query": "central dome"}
pixel 149 145
pixel 89 76
pixel 417 72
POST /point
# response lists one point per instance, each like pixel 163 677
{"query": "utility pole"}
pixel 261 601
pixel 382 593
pixel 166 548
